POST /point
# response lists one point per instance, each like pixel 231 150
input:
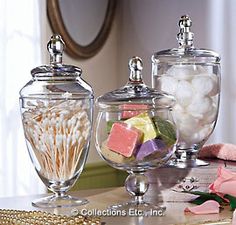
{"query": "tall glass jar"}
pixel 56 106
pixel 193 76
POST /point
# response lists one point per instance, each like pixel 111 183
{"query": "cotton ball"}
pixel 201 135
pixel 199 106
pixel 185 72
pixel 187 127
pixel 186 138
pixel 216 82
pixel 187 124
pixel 178 107
pixel 206 84
pixel 184 93
pixel 210 116
pixel 168 84
pixel 187 133
pixel 177 112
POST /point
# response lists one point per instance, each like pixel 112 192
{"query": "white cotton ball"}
pixel 177 112
pixel 190 129
pixel 186 138
pixel 187 124
pixel 199 106
pixel 203 84
pixel 216 88
pixel 184 93
pixel 206 84
pixel 168 84
pixel 210 116
pixel 178 107
pixel 200 135
pixel 184 72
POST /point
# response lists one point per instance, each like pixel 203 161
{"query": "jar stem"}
pixel 137 185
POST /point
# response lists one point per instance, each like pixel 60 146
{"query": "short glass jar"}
pixel 135 132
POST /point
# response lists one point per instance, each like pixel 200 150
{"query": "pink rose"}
pixel 225 183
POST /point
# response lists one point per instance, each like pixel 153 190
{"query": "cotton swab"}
pixel 58 133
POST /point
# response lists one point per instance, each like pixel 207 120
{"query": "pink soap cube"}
pixel 123 139
pixel 131 110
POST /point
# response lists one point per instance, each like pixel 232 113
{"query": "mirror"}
pixel 83 24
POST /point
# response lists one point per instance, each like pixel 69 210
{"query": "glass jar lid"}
pixel 186 52
pixel 135 92
pixel 57 80
pixel 56 68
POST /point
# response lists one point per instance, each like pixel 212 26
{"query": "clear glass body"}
pixel 193 78
pixel 118 141
pixel 57 121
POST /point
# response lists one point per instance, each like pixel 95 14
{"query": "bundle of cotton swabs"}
pixel 58 133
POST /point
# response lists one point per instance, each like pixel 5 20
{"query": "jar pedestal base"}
pixel 187 158
pixel 54 201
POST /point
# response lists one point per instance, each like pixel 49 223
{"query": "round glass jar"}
pixel 135 132
pixel 192 76
pixel 56 107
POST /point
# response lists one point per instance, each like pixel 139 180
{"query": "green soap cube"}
pixel 165 130
pixel 109 125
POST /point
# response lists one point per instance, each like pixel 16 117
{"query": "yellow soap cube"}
pixel 144 123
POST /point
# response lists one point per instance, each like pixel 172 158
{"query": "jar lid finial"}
pixel 185 36
pixel 55 48
pixel 136 67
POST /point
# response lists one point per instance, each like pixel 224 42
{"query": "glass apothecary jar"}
pixel 56 107
pixel 192 76
pixel 135 132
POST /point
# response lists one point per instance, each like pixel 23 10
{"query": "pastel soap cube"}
pixel 110 123
pixel 131 110
pixel 150 147
pixel 144 123
pixel 165 130
pixel 114 156
pixel 124 139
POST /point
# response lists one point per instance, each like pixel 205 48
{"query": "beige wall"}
pixel 151 25
pixel 99 71
pixel 140 28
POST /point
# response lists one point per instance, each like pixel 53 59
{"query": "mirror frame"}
pixel 73 48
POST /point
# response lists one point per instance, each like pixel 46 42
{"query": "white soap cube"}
pixel 206 84
pixel 185 72
pixel 184 93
